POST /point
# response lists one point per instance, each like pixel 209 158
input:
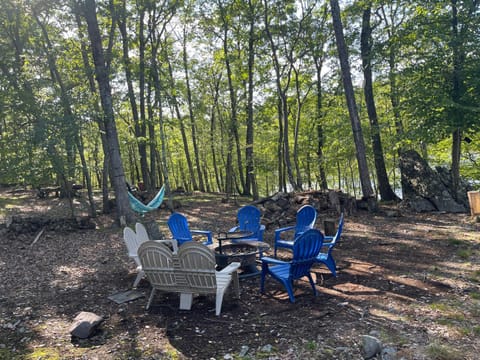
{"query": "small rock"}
pixel 371 346
pixel 84 324
pixel 389 353
pixel 267 348
pixel 243 351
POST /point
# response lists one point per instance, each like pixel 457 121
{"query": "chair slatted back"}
pixel 249 218
pixel 158 264
pixel 178 226
pixel 197 262
pixel 306 217
pixel 305 251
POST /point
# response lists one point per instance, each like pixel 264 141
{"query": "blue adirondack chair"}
pixel 305 250
pixel 329 243
pixel 178 225
pixel 249 218
pixel 306 217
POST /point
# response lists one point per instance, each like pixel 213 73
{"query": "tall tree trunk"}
pixel 124 211
pixel 215 95
pixel 457 89
pixel 250 178
pixel 96 111
pixel 191 116
pixel 384 187
pixel 139 126
pixel 366 184
pixel 282 94
pixel 182 125
pixel 234 138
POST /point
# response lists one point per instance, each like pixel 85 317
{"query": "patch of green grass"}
pixel 475 276
pixel 442 307
pixel 6 354
pixel 464 253
pixel 475 295
pixel 311 345
pixel 44 354
pixel 455 242
pixel 442 352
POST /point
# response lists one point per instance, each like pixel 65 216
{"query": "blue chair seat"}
pixel 305 251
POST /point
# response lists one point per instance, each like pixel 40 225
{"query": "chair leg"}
pixel 139 277
pixel 312 284
pixel 262 277
pixel 186 300
pixel 330 263
pixel 236 284
pixel 219 301
pixel 152 294
pixel 289 286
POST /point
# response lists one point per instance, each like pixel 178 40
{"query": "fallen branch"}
pixel 38 236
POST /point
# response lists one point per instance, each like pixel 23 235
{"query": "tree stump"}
pixel 329 227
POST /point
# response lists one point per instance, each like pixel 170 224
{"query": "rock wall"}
pixel 281 209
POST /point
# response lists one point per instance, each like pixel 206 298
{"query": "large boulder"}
pixel 425 189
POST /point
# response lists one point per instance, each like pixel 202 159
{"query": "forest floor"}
pixel 410 280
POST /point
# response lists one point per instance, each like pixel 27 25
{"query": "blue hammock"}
pixel 140 207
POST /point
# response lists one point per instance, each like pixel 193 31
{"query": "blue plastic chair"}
pixel 329 243
pixel 305 251
pixel 306 217
pixel 181 232
pixel 248 218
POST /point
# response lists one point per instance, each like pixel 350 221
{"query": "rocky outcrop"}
pixel 427 189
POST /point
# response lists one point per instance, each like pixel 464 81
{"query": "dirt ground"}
pixel 410 280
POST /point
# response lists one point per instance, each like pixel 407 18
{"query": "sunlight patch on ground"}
pixel 353 289
pixel 362 268
pixel 394 315
pixel 71 276
pixel 408 281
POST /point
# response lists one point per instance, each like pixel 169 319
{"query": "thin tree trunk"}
pixel 234 139
pixel 91 85
pixel 456 97
pixel 124 211
pixel 250 178
pixel 367 190
pixel 384 187
pixel 182 125
pixel 193 128
pixel 319 127
pixel 139 126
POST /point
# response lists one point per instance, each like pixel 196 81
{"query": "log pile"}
pixel 281 208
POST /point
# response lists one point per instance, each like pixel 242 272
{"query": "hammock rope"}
pixel 142 208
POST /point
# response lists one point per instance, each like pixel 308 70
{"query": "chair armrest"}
pixel 172 242
pixel 230 268
pixel 206 233
pixel 328 244
pixel 270 260
pixel 281 230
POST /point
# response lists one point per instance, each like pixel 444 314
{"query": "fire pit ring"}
pixel 245 254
